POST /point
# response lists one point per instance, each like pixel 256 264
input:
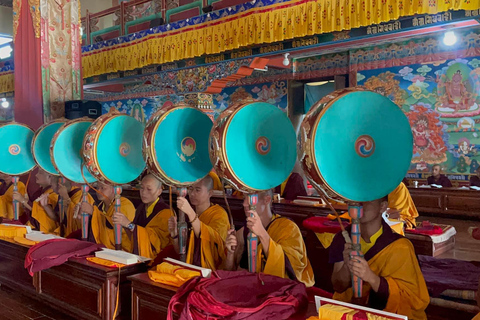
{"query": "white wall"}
pixel 6 21
pixel 95 6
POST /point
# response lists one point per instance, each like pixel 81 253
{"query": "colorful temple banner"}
pixel 248 24
pixel 60 55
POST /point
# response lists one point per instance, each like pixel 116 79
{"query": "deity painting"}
pixel 138 113
pixel 427 130
pixel 465 148
pixel 456 92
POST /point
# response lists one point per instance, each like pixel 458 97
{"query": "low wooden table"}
pixel 447 202
pixel 150 299
pixel 78 287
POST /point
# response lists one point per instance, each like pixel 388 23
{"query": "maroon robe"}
pixel 442 181
pixel 293 189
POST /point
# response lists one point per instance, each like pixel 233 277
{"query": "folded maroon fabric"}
pixel 443 274
pixel 323 225
pixel 8 221
pixel 55 252
pixel 254 296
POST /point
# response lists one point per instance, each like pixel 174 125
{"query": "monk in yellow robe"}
pixel 72 197
pixel 101 228
pixel 210 224
pixel 400 200
pixel 217 183
pixel 35 205
pixel 281 250
pixel 6 197
pixel 149 229
pixel 392 279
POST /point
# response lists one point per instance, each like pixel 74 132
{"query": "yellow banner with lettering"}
pixel 278 22
pixel 7 82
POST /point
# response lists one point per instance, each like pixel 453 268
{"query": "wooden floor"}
pixel 14 306
pixel 466 248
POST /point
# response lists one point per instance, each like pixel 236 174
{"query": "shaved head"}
pixel 207 182
pixel 150 177
pixel 151 188
pixel 266 193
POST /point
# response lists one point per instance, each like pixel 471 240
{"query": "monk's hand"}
pixel 43 200
pixel 231 241
pixel 393 213
pixel 254 223
pixel 182 204
pixel 87 208
pixel 119 218
pixel 172 226
pixel 360 268
pixel 18 197
pixel 62 191
pixel 347 251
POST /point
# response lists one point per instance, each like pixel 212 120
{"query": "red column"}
pixel 28 82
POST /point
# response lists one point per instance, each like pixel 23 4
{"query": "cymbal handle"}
pixel 356 213
pixel 252 239
pixel 117 227
pixel 61 208
pixel 182 227
pixel 85 216
pixel 16 204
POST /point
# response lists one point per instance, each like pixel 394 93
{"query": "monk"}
pixel 149 229
pixel 101 229
pixel 475 180
pixel 401 201
pixel 389 269
pixel 210 224
pixel 217 183
pixel 281 249
pixel 35 205
pixel 438 178
pixel 6 197
pixel 292 188
pixel 72 198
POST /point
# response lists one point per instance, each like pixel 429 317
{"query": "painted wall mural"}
pixel 441 100
pixel 142 108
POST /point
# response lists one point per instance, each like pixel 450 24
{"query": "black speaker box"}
pixel 82 108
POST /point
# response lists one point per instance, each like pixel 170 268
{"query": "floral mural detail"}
pixel 142 108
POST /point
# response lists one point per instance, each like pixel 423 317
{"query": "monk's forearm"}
pixel 176 246
pixel 230 262
pixel 374 282
pixel 51 214
pixel 196 226
pixel 265 241
pixel 341 279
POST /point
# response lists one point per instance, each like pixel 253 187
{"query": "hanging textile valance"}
pixel 261 23
pixel 7 82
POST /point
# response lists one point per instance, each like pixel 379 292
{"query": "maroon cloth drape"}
pixel 255 296
pixel 55 252
pixel 28 80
